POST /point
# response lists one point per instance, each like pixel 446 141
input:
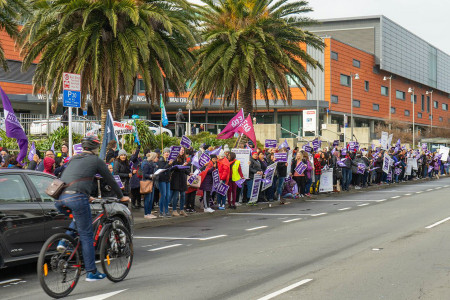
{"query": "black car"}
pixel 28 216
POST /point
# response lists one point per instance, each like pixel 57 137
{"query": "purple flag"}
pixel 32 152
pixel 398 143
pixel 13 128
pixel 232 126
pixel 53 147
pixel 240 182
pixel 215 151
pixel 284 145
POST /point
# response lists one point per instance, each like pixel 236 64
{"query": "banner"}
pixel 243 155
pixel 108 136
pixel 174 152
pixel 270 143
pixel 123 128
pixel 255 188
pixel 232 126
pixel 326 181
pixel 309 121
pixel 246 128
pixel 185 142
pixel 281 157
pixel 268 176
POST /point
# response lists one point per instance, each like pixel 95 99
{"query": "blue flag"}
pixel 13 128
pixel 164 119
pixel 136 135
pixel 108 136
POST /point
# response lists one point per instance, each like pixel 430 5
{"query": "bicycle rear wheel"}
pixel 58 272
pixel 116 253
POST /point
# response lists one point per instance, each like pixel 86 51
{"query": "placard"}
pixel 243 155
pixel 204 159
pixel 222 189
pixel 326 181
pixel 384 140
pixel 77 149
pixel 118 181
pixel 193 177
pixel 268 176
pixel 281 157
pixel 386 163
pixel 174 152
pixel 185 142
pixel 271 143
pixel 300 168
pixel 255 188
pixel 289 160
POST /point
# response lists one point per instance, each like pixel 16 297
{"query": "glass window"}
pixel 376 107
pixel 384 91
pixel 415 99
pixel 435 104
pixel 141 85
pixel 356 63
pixel 441 119
pixel 334 99
pixel 41 182
pixel 356 103
pixel 406 112
pixel 444 106
pixel 392 110
pixel 400 95
pixel 428 104
pixel 345 80
pixel 419 115
pixel 366 86
pixel 13 189
pixel 423 102
pixel 334 55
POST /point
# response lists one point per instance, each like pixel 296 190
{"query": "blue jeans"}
pixel 308 185
pixel 175 195
pixel 280 185
pixel 81 211
pixel 164 197
pixel 249 184
pixel 148 202
pixel 346 178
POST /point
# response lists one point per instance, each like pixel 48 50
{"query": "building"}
pixel 387 58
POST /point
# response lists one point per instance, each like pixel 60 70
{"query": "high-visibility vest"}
pixel 235 176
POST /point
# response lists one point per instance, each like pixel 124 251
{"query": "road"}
pixel 381 244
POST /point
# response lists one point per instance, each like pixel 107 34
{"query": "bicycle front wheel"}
pixel 116 253
pixel 59 270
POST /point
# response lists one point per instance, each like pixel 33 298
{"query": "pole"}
pixel 390 101
pixel 317 118
pixel 431 104
pixel 161 134
pixel 48 115
pixel 345 125
pixel 70 132
pixel 189 125
pixel 351 106
pixel 414 118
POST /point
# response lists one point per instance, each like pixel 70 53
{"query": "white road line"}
pixel 339 200
pixel 166 247
pixel 256 228
pixel 419 192
pixel 213 237
pixel 268 214
pixel 179 238
pixel 395 197
pixel 291 220
pixel 407 194
pixel 381 200
pixel 446 185
pixel 345 208
pixel 437 223
pixel 9 281
pixel 439 187
pixel 316 215
pixel 429 190
pixel 286 289
pixel 103 296
pixel 364 204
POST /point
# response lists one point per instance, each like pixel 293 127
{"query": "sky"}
pixel 427 19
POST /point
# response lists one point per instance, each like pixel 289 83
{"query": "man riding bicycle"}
pixel 79 175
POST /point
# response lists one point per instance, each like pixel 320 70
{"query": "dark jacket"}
pixel 135 179
pixel 281 169
pixel 110 154
pixel 178 178
pixel 32 165
pixel 148 168
pixel 207 179
pixel 255 166
pixel 122 168
pixel 163 176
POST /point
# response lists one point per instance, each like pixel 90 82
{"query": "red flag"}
pixel 232 126
pixel 246 128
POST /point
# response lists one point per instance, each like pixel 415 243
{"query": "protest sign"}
pixel 307 148
pixel 389 141
pixel 326 181
pixel 268 176
pixel 289 159
pixel 185 142
pixel 174 152
pixel 243 155
pixel 316 144
pixel 118 181
pixel 77 149
pixel 271 143
pixel 386 163
pixel 300 168
pixel 444 153
pixel 203 160
pixel 255 188
pixel 193 177
pixel 361 168
pixel 216 179
pixel 222 189
pixel 384 140
pixel 281 157
pixel 336 143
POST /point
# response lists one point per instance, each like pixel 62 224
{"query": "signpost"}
pixel 71 98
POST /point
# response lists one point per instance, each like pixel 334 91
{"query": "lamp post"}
pixel 189 107
pixel 411 90
pixel 390 99
pixel 431 112
pixel 351 101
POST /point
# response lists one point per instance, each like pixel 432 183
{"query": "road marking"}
pixel 364 204
pixel 395 197
pixel 437 223
pixel 339 200
pixel 179 238
pixel 407 194
pixel 419 192
pixel 268 214
pixel 213 237
pixel 166 247
pixel 429 190
pixel 439 187
pixel 291 220
pixel 286 289
pixel 9 281
pixel 382 200
pixel 256 228
pixel 345 208
pixel 316 215
pixel 103 296
pixel 446 185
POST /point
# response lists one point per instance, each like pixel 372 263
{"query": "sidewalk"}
pixel 141 222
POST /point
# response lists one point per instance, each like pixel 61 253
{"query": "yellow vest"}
pixel 235 176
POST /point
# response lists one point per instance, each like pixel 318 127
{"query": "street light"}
pixel 189 107
pixel 390 95
pixel 431 112
pixel 411 90
pixel 351 101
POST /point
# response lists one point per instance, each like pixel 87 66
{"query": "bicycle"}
pixel 58 272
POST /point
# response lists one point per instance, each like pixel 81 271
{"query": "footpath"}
pixel 141 222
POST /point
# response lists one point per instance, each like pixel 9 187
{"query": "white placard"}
pixel 444 151
pixel 384 140
pixel 326 181
pixel 243 155
pixel 289 161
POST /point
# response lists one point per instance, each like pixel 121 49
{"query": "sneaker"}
pixel 210 210
pixel 279 198
pixel 161 215
pixel 150 216
pixel 175 214
pixel 90 276
pixel 222 207
pixel 167 215
pixel 357 187
pixel 238 204
pixel 183 213
pixel 62 246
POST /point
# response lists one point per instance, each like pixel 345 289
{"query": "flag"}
pixel 246 128
pixel 136 135
pixel 13 128
pixel 164 119
pixel 232 126
pixel 398 143
pixel 283 145
pixel 195 161
pixel 216 151
pixel 109 134
pixel 53 147
pixel 32 152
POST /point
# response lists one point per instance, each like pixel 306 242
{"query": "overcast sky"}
pixel 429 20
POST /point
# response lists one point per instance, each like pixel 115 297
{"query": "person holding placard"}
pixel 235 176
pixel 178 184
pixel 282 174
pixel 207 183
pixel 164 183
pixel 300 178
pixel 255 168
pixel 122 168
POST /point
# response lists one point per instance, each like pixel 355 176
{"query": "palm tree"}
pixel 250 45
pixel 110 43
pixel 10 13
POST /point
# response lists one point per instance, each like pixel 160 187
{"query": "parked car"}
pixel 28 216
pixel 153 127
pixel 80 125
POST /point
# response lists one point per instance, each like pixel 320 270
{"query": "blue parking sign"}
pixel 71 98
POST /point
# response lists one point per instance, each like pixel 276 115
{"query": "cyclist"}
pixel 79 175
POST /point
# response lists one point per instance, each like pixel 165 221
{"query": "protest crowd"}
pixel 169 182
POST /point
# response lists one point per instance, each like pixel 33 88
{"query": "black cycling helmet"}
pixel 90 143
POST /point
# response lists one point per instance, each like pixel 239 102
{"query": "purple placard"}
pixel 185 142
pixel 352 146
pixel 397 171
pixel 424 146
pixel 389 176
pixel 316 144
pixel 77 149
pixel 300 168
pixel 341 164
pixel 361 168
pixel 204 159
pixel 336 143
pixel 271 143
pixel 193 177
pixel 222 189
pixel 119 182
pixel 255 188
pixel 216 178
pixel 281 157
pixel 240 182
pixel 174 152
pixel 307 148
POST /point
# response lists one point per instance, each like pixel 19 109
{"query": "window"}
pixel 428 104
pixel 392 110
pixel 441 119
pixel 415 99
pixel 41 182
pixel 419 115
pixel 141 86
pixel 376 107
pixel 423 102
pixel 406 112
pixel 356 63
pixel 345 80
pixel 384 91
pixel 334 55
pixel 435 104
pixel 366 86
pixel 400 95
pixel 356 103
pixel 334 99
pixel 444 106
pixel 13 189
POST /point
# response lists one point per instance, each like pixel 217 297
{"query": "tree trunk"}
pixel 246 99
pixel 104 113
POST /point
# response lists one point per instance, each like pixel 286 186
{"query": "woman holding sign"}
pixel 163 183
pixel 178 183
pixel 122 168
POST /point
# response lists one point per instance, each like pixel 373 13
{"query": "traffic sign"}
pixel 71 98
pixel 71 82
